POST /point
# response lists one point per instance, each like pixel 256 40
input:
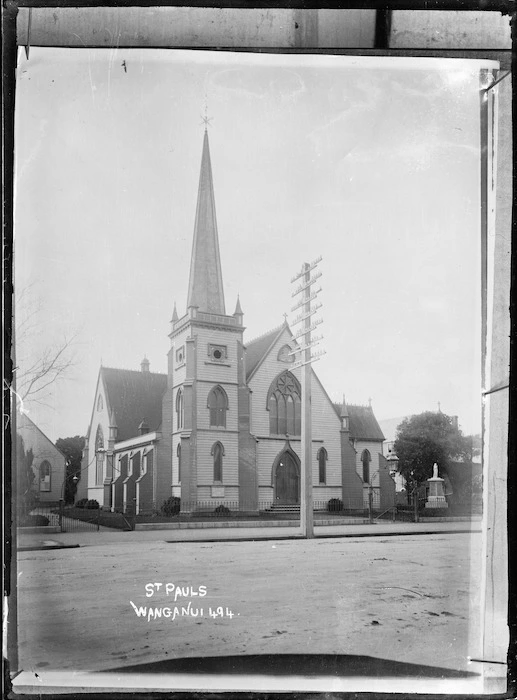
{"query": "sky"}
pixel 373 164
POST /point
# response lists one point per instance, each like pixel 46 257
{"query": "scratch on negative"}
pixel 422 595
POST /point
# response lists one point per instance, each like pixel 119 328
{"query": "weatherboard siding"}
pixel 209 370
pixel 205 460
pixel 99 417
pixel 259 384
pixel 203 389
pixel 325 422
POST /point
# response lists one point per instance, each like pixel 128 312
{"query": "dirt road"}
pixel 408 599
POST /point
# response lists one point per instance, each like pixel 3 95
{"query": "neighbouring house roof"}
pixel 362 421
pixel 134 396
pixel 258 348
pixel 24 423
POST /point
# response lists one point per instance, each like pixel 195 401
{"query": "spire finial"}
pixel 206 119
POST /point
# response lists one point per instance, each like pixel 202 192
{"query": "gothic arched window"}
pixel 218 405
pixel 99 456
pixel 178 453
pixel 44 476
pixel 284 405
pixel 366 459
pixel 322 465
pixel 217 453
pixel 179 409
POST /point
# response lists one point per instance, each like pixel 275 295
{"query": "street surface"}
pixel 407 598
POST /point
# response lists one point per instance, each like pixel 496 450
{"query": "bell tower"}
pixel 205 361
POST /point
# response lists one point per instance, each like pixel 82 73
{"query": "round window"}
pixel 218 354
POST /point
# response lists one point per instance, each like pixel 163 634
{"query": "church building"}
pixel 223 426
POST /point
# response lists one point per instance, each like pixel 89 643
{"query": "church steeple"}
pixel 206 281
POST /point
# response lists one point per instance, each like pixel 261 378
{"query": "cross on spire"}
pixel 206 119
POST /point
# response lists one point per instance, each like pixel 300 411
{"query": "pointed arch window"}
pixel 217 453
pixel 217 405
pixel 322 465
pixel 179 409
pixel 178 454
pixel 284 405
pixel 366 458
pixel 45 471
pixel 99 456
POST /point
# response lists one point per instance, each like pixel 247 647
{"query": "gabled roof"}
pixel 24 422
pixel 258 348
pixel 134 396
pixel 362 421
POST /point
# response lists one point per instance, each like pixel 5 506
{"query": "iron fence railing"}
pixel 234 508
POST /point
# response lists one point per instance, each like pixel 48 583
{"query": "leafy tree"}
pixel 72 448
pixel 425 439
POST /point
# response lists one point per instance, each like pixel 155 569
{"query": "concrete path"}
pixel 109 536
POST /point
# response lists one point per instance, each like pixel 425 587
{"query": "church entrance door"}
pixel 287 480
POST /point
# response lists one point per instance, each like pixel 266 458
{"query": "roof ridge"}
pixel 136 371
pixel 263 335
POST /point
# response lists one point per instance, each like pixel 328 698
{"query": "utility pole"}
pixel 308 294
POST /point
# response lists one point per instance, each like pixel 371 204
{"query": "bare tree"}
pixel 37 368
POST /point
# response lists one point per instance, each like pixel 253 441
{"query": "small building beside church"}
pixel 46 462
pixel 222 427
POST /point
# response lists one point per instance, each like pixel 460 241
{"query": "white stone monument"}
pixel 436 491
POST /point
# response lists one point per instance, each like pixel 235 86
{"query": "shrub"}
pixel 171 506
pixel 34 520
pixel 81 503
pixel 91 504
pixel 335 504
pixel 222 510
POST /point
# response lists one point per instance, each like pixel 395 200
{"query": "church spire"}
pixel 206 280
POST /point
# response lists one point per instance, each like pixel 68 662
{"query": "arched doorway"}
pixel 287 478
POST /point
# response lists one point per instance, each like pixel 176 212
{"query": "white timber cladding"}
pixel 231 495
pixel 205 460
pixel 100 416
pixel 207 368
pixel 203 412
pixel 43 451
pixel 261 381
pixel 322 494
pixel 325 422
pixel 267 452
pixel 176 440
pixel 375 449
